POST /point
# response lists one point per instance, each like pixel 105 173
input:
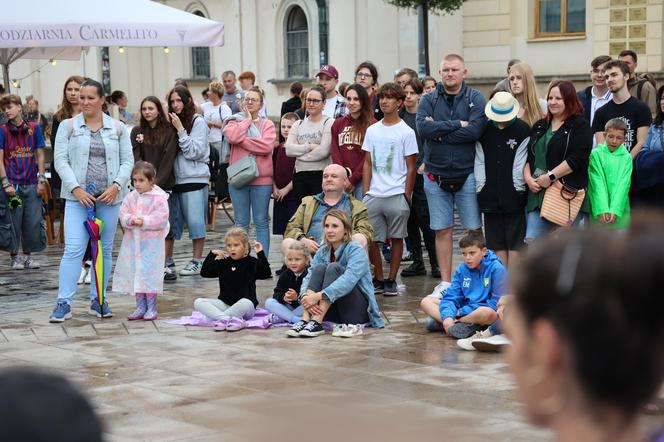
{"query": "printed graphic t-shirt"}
pixel 389 146
pixel 635 113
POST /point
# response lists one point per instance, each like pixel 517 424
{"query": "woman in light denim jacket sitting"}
pixel 94 158
pixel 338 286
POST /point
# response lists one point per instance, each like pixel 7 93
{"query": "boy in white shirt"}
pixel 388 178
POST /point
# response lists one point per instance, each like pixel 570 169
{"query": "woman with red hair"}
pixel 558 150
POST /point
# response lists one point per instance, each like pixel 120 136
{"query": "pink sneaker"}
pixel 236 324
pixel 221 324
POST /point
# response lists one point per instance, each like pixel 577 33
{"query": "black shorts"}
pixel 505 231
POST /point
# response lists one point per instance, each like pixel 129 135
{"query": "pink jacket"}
pixel 261 148
pixel 140 264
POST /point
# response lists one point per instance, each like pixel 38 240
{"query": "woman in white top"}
pixel 522 85
pixel 214 112
pixel 309 142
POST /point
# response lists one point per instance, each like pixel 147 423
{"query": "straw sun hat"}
pixel 502 107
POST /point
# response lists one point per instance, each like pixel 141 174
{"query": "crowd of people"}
pixel 353 170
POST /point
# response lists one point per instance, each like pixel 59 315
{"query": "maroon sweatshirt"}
pixel 346 148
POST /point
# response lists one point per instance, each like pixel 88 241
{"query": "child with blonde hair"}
pixel 284 304
pixel 139 267
pixel 237 272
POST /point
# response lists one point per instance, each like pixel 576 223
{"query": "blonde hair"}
pixel 299 246
pixel 217 87
pixel 238 233
pixel 345 220
pixel 532 111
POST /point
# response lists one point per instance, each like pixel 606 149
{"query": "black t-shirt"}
pixel 635 113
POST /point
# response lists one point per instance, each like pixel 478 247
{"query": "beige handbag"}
pixel 561 204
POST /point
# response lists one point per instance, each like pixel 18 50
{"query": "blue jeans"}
pixel 28 220
pixel 284 311
pixel 536 226
pixel 76 241
pixel 190 208
pixel 441 205
pixel 253 201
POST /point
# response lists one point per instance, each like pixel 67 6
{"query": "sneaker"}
pixel 379 286
pixel 235 324
pixel 347 330
pixel 169 275
pixel 30 263
pixel 432 325
pixel 170 263
pixel 467 343
pixel 461 330
pixel 312 329
pixel 390 288
pixel 415 269
pixel 439 291
pixel 221 324
pixel 192 268
pixel 295 330
pixel 81 278
pixel 61 312
pixel 100 311
pixel 17 263
pixel 407 257
pixel 274 319
pixel 88 277
pixel 492 343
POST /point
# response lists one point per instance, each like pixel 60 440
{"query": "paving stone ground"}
pixel 163 382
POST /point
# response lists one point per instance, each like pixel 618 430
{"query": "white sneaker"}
pixel 467 343
pixel 347 330
pixel 88 277
pixel 439 290
pixel 29 263
pixel 192 268
pixel 81 278
pixel 493 343
pixel 17 263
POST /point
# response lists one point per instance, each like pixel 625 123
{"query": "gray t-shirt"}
pixel 97 173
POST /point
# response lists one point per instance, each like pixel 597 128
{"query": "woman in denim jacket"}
pixel 94 158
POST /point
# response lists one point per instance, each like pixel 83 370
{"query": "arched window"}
pixel 297 43
pixel 200 58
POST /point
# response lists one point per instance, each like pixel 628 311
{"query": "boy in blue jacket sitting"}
pixel 469 304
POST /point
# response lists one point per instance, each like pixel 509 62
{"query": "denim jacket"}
pixel 72 151
pixel 353 258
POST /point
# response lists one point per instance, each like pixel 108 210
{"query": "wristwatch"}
pixel 552 177
pixel 118 186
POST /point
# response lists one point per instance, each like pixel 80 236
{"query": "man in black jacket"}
pixel 598 94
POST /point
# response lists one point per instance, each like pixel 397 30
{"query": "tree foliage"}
pixel 433 6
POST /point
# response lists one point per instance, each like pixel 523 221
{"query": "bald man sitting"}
pixel 307 223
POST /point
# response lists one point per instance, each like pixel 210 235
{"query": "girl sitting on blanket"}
pixel 237 272
pixel 284 304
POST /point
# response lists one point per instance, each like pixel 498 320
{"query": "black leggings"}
pixel 352 308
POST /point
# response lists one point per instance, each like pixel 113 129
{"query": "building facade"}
pixel 284 40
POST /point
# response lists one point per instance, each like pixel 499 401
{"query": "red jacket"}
pixel 346 148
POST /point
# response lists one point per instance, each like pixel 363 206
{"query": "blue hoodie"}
pixel 473 288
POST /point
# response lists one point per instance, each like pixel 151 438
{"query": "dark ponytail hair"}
pixel 602 294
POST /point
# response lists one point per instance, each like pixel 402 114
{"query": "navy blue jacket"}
pixel 585 96
pixel 449 149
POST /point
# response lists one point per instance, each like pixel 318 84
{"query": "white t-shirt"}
pixel 212 112
pixel 331 105
pixel 389 146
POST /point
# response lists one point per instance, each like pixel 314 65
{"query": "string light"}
pixel 121 49
pixel 53 61
pixel 167 49
pixel 16 83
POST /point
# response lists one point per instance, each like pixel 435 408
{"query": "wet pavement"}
pixel 163 382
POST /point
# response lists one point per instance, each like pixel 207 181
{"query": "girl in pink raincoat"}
pixel 139 268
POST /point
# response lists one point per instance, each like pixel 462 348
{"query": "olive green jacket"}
pixel 300 222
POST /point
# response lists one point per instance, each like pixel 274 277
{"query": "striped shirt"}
pixel 19 152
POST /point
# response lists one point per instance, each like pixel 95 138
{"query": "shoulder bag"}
pixel 562 203
pixel 243 171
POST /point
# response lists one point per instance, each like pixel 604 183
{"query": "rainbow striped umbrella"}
pixel 95 226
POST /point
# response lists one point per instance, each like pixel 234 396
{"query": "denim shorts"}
pixel 441 205
pixel 188 208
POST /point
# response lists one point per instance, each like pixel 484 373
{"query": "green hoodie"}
pixel 609 179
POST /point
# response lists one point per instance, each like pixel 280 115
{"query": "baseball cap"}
pixel 328 70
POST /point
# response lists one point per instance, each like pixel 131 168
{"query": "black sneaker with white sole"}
pixel 390 288
pixel 295 330
pixel 312 329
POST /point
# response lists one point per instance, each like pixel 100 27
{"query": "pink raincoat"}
pixel 140 264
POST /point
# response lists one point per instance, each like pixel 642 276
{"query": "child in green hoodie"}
pixel 610 177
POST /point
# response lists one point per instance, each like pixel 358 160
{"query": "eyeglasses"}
pixel 252 100
pixel 313 101
pixel 363 75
